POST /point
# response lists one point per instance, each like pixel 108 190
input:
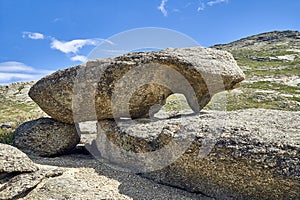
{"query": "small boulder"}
pixel 135 84
pixel 46 137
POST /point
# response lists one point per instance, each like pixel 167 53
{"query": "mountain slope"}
pixel 271 62
pixel 274 38
pixel 15 104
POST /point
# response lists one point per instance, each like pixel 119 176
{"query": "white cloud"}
pixel 162 8
pixel 14 67
pixel 72 46
pixel 211 3
pixel 57 20
pixel 68 47
pixel 176 10
pixel 201 7
pixel 188 4
pixel 34 36
pixel 17 71
pixel 79 58
pixel 6 77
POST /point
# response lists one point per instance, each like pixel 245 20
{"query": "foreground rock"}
pixel 13 160
pixel 250 154
pixel 18 174
pixel 73 184
pixel 46 137
pixel 20 185
pixel 136 84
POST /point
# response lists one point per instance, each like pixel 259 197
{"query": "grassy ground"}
pixel 15 108
pixel 258 93
pixel 6 136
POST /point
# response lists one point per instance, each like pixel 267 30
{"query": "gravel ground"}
pixel 87 178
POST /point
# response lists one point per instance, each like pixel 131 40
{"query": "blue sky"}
pixel 41 36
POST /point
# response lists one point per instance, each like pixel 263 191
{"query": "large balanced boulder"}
pixel 248 154
pixel 46 137
pixel 136 84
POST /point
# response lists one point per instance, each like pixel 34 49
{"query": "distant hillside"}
pixel 274 38
pixel 271 62
pixel 15 104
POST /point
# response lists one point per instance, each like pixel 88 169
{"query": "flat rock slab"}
pixel 19 185
pixel 248 154
pixel 13 160
pixel 73 184
pixel 18 174
pixel 46 137
pixel 136 84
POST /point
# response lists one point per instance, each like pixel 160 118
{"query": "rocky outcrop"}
pixel 249 154
pixel 46 137
pixel 136 84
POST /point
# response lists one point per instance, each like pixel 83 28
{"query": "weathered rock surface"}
pixel 14 165
pixel 253 154
pixel 13 160
pixel 20 185
pixel 86 178
pixel 136 84
pixel 46 137
pixel 73 184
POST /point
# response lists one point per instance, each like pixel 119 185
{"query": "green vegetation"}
pixel 252 99
pixel 16 108
pixel 293 70
pixel 261 94
pixel 6 136
pixel 258 64
pixel 265 51
pixel 20 88
pixel 176 102
pixel 267 85
pixel 12 110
